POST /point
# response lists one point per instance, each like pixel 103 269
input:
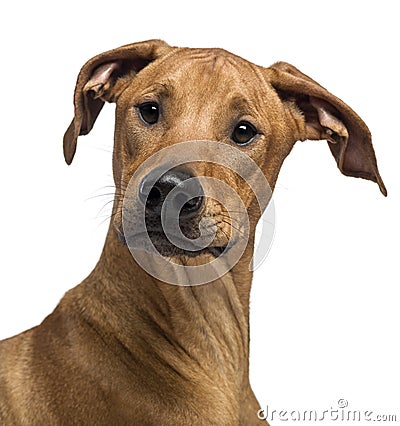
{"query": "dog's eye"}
pixel 244 133
pixel 149 112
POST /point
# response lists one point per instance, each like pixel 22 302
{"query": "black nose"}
pixel 187 198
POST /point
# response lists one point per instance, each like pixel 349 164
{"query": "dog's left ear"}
pixel 98 82
pixel 320 115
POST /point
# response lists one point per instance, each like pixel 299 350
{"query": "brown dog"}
pixel 123 347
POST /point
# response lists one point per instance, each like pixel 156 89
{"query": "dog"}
pixel 126 347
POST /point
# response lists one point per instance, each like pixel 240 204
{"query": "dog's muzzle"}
pixel 173 204
pixel 176 193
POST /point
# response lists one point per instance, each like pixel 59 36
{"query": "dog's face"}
pixel 165 96
pixel 198 95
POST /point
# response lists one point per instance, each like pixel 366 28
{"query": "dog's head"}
pixel 166 95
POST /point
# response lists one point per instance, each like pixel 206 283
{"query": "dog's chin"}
pixel 167 249
pixel 161 245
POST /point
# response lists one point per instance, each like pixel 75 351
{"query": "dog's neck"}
pixel 204 327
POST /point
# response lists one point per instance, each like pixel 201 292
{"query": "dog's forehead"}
pixel 208 56
pixel 215 62
pixel 189 69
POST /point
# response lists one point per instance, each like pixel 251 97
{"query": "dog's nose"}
pixel 187 197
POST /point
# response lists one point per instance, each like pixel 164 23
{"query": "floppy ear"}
pixel 321 115
pixel 96 81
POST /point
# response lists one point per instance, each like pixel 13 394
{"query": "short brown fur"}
pixel 123 348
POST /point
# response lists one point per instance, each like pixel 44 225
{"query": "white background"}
pixel 325 304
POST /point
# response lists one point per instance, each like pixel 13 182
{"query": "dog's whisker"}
pixel 110 216
pixel 240 231
pixel 233 219
pixel 226 234
pixel 105 205
pixel 110 194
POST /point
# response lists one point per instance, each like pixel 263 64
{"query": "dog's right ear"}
pixel 96 80
pixel 321 115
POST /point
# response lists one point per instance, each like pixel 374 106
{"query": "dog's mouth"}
pixel 209 233
pixel 157 240
pixel 191 242
pixel 182 247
